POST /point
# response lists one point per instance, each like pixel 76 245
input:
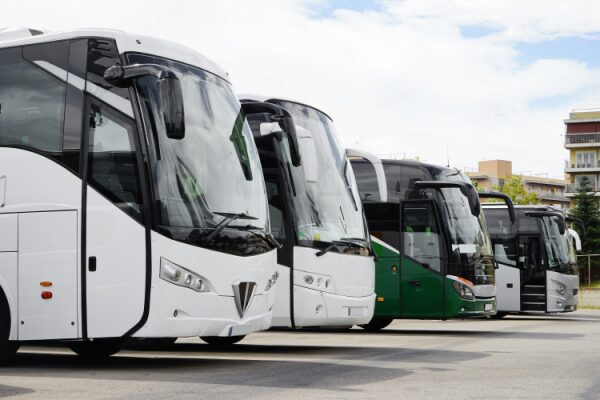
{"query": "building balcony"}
pixel 582 167
pixel 572 188
pixel 582 140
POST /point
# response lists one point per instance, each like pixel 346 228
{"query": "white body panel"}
pixel 508 288
pixel 559 299
pixel 281 309
pixel 348 299
pixel 27 191
pixel 179 312
pixel 48 252
pixel 115 291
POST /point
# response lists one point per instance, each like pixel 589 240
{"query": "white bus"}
pixel 537 269
pixel 132 203
pixel 326 265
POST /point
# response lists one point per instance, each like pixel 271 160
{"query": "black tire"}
pixel 149 343
pixel 222 341
pixel 97 349
pixel 499 315
pixel 8 348
pixel 376 324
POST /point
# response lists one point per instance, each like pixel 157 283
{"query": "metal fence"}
pixel 589 270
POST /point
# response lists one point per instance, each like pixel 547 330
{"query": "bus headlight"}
pixel 180 276
pixel 314 281
pixel 272 280
pixel 463 290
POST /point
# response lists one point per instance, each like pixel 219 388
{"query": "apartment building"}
pixel 582 139
pixel 494 173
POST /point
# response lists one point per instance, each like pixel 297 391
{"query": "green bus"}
pixel 434 254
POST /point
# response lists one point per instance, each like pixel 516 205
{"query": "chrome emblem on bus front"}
pixel 243 293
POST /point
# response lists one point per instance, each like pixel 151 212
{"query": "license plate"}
pixel 487 307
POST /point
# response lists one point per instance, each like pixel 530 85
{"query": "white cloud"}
pixel 397 81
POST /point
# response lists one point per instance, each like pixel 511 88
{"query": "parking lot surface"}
pixel 519 357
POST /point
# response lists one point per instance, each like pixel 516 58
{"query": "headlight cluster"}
pixel 314 281
pixel 272 280
pixel 180 276
pixel 463 290
pixel 561 288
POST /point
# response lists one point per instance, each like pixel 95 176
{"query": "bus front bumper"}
pixel 213 315
pixel 480 307
pixel 321 309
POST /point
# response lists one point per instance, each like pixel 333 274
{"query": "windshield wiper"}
pixel 263 234
pixel 348 242
pixel 229 218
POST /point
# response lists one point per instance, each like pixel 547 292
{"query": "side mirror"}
pixel 560 219
pixel 379 171
pixel 269 128
pixel 280 116
pixel 465 188
pixel 562 227
pixel 574 236
pixel 506 198
pixel 308 153
pixel 169 88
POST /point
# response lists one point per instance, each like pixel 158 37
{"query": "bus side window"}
pixel 420 234
pixel 275 207
pixel 113 167
pixel 32 97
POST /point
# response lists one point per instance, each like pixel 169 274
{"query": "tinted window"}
pixel 384 222
pixel 366 180
pixel 276 212
pixel 420 234
pixel 112 162
pixel 32 97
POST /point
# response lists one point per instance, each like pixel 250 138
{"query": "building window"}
pixel 586 159
pixel 592 179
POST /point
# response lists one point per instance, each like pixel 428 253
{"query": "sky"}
pixel 455 81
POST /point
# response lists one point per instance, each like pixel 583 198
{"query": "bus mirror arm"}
pixel 379 172
pixel 282 117
pixel 169 88
pixel 465 188
pixel 560 219
pixel 501 196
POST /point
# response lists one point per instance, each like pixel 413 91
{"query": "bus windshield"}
pixel 556 245
pixel 213 175
pixel 470 247
pixel 329 208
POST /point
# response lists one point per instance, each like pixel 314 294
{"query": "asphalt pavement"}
pixel 519 357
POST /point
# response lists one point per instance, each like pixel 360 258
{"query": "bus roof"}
pixel 126 42
pixel 264 99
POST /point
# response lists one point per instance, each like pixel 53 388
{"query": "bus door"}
pixel 533 273
pixel 281 230
pixel 383 220
pixel 422 279
pixel 114 235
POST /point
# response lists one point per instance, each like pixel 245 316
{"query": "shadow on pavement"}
pixel 9 391
pixel 254 373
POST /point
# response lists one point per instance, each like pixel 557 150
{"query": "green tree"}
pixel 587 209
pixel 516 191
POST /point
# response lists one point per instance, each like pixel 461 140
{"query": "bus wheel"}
pixel 376 324
pixel 98 348
pixel 8 348
pixel 499 315
pixel 222 341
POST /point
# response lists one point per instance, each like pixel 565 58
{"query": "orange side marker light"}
pixel 46 283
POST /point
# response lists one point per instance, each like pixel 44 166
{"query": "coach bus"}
pixel 537 268
pixel 132 202
pixel 434 255
pixel 325 265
